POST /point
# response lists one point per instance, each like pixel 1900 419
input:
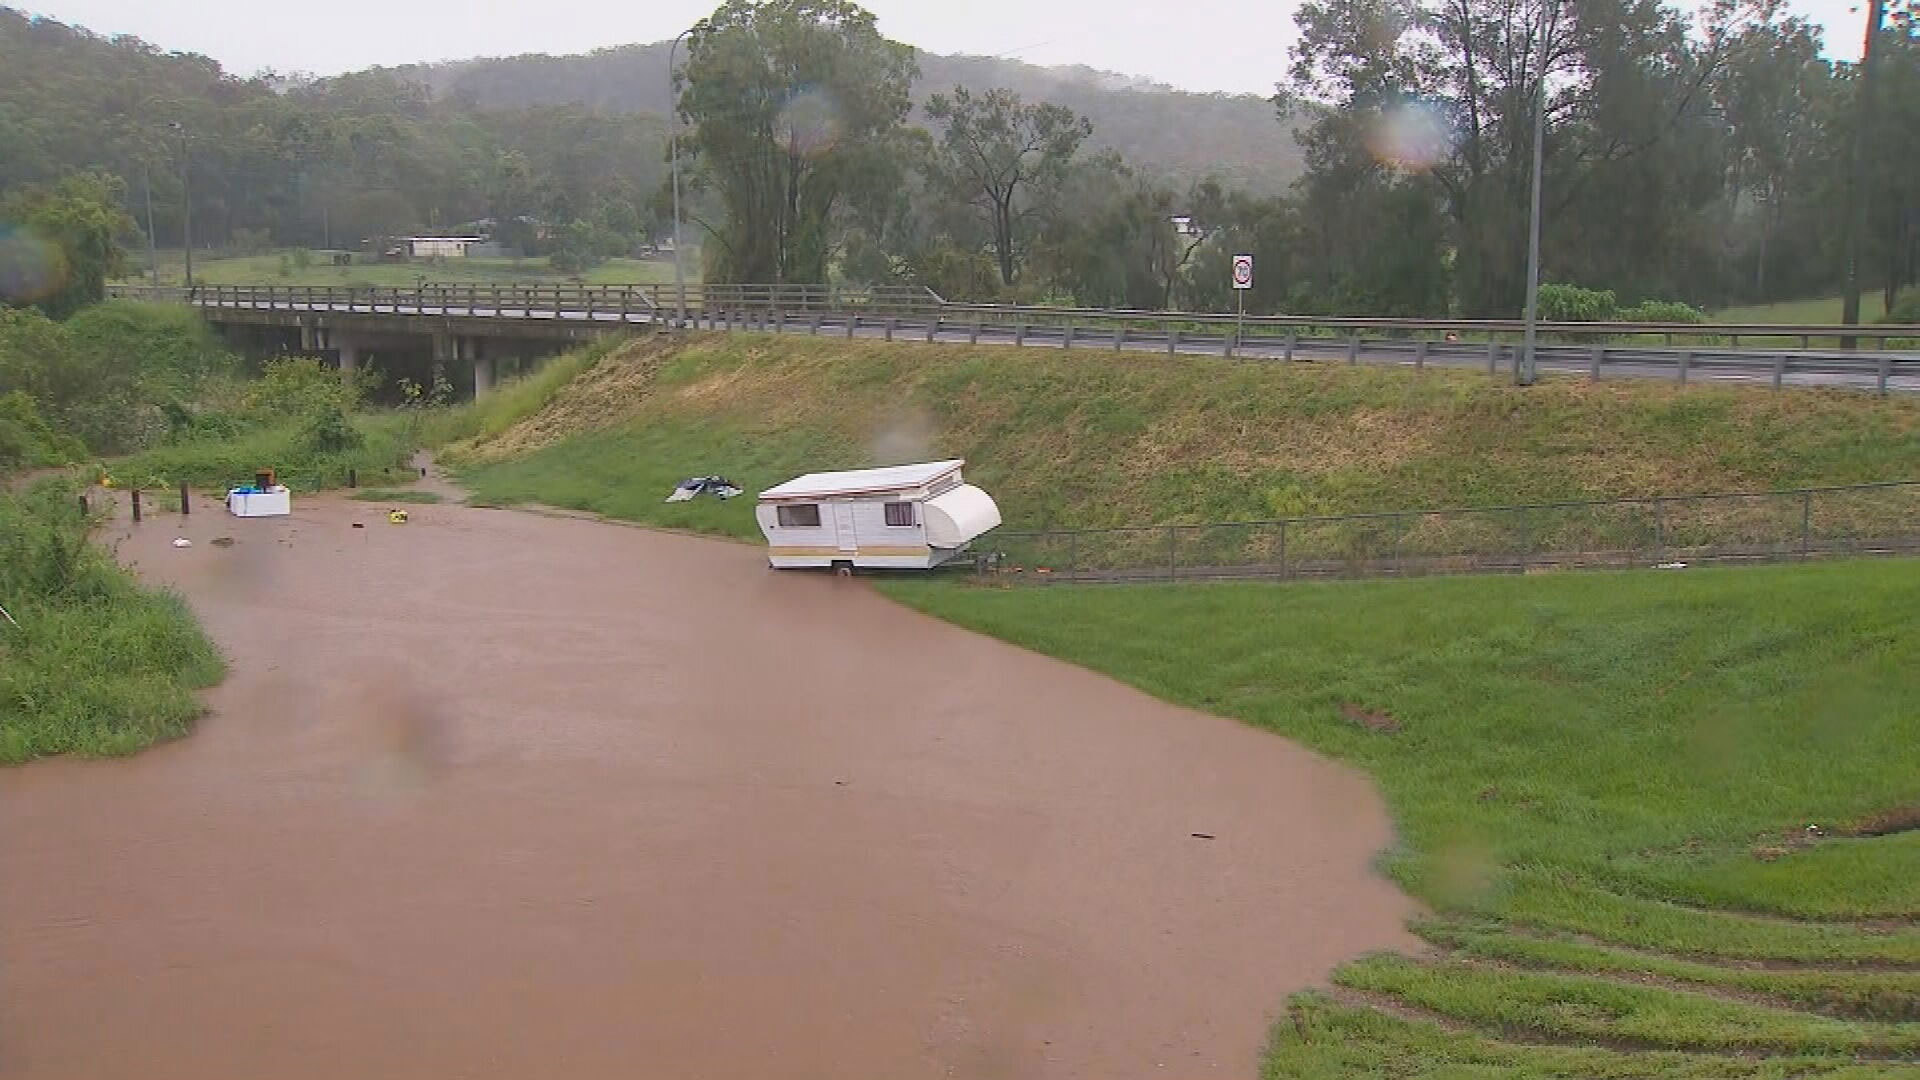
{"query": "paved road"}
pixel 495 795
pixel 1804 368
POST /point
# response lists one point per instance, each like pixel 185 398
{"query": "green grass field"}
pixel 1820 312
pixel 267 270
pixel 1603 785
pixel 90 663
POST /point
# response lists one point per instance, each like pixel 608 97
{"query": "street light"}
pixel 186 194
pixel 1526 370
pixel 673 154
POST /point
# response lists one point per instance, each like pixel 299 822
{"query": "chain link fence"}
pixel 1807 523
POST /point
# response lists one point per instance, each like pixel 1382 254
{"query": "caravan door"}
pixel 843 527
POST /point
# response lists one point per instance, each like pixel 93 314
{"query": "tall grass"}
pixel 95 665
pixel 510 402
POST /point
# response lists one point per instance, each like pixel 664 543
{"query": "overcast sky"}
pixel 1233 45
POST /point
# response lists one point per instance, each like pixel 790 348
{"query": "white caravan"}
pixel 902 517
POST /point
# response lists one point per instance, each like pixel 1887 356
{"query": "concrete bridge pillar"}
pixel 482 367
pixel 349 350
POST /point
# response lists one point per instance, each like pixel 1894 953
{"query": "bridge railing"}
pixel 913 306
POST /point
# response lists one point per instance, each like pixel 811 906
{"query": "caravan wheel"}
pixel 843 567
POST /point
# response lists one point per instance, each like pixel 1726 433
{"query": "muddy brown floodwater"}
pixel 500 795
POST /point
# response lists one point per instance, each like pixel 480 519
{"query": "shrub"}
pixel 1662 311
pixel 26 439
pixel 299 386
pixel 1571 303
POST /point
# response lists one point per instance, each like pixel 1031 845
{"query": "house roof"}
pixel 863 481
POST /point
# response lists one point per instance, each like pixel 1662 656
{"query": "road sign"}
pixel 1243 271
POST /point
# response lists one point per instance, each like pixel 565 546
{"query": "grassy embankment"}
pixel 1087 439
pixel 267 270
pixel 1602 782
pixel 91 663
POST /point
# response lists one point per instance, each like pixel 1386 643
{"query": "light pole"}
pixel 673 155
pixel 186 196
pixel 1525 370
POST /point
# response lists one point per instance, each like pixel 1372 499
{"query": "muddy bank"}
pixel 498 795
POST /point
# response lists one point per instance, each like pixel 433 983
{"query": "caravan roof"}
pixel 863 481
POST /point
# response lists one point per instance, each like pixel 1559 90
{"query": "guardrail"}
pixel 708 302
pixel 1681 351
pixel 1804 523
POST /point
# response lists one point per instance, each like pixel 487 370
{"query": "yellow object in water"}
pixel 398 517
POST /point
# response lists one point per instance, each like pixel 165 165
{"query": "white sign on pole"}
pixel 1243 271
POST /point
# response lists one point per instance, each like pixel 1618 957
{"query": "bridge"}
pixel 480 327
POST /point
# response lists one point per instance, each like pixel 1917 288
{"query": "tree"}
pixel 996 151
pixel 790 105
pixel 65 243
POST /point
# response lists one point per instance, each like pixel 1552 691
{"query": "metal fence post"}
pixel 973 332
pixel 1806 522
pixel 1073 555
pixel 1227 342
pixel 1659 530
pixel 1172 568
pixel 1493 356
pixel 853 320
pixel 1173 339
pixel 1293 338
pixel 1283 549
pixel 1119 336
pixel 1598 357
pixel 1067 343
pixel 1779 368
pixel 1886 369
pixel 933 328
pixel 1420 355
pixel 1353 349
pixel 1686 361
pixel 890 324
pixel 1019 331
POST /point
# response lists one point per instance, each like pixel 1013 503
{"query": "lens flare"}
pixel 1413 135
pixel 809 124
pixel 31 266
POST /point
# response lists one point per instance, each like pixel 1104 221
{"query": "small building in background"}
pixel 449 247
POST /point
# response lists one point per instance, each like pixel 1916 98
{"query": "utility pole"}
pixel 673 153
pixel 1525 369
pixel 1857 199
pixel 153 256
pixel 186 196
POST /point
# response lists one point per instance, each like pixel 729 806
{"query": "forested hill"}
pixel 1166 133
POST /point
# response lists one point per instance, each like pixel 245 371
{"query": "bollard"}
pixel 1420 355
pixel 1493 357
pixel 1293 338
pixel 186 507
pixel 1779 368
pixel 1686 361
pixel 136 506
pixel 1597 358
pixel 1353 349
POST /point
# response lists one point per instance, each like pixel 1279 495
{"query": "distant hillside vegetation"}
pixel 1161 131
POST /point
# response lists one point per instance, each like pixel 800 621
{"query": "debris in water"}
pixel 717 486
pixel 358 525
pixel 223 541
pixel 1201 835
pixel 182 542
pixel 1670 566
pixel 398 517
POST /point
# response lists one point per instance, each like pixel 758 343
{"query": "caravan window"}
pixel 900 513
pixel 804 515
